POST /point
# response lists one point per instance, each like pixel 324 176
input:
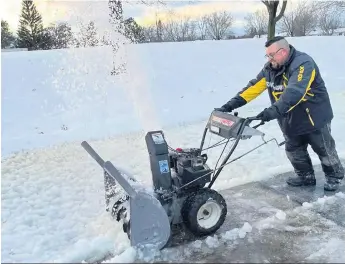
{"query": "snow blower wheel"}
pixel 179 196
pixel 204 212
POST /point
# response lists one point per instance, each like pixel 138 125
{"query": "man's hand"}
pixel 267 115
pixel 224 108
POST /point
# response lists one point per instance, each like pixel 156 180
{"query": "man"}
pixel 302 107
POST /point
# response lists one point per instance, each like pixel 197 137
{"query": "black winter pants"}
pixel 322 143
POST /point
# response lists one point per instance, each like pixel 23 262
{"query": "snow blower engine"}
pixel 182 181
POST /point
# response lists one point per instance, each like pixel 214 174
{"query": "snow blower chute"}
pixel 180 193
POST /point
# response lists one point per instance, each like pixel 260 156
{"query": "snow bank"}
pixel 50 97
pixel 179 253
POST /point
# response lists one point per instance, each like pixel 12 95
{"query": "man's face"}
pixel 275 55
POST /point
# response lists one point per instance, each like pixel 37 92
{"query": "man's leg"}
pixel 296 151
pixel 323 145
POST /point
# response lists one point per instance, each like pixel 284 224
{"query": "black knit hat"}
pixel 273 40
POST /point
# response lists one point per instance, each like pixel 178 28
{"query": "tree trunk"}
pixel 271 26
pixel 272 7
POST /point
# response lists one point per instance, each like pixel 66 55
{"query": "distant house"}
pixel 336 32
pixel 282 34
pixel 339 32
pixel 314 32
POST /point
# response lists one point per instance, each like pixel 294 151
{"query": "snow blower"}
pixel 182 182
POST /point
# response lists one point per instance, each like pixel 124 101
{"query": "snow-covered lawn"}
pixel 52 191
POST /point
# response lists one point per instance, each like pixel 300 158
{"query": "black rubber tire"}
pixel 193 203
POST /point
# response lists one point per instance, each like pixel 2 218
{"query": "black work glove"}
pixel 225 108
pixel 266 115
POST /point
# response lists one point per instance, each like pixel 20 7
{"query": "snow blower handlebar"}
pixel 254 119
pixel 230 126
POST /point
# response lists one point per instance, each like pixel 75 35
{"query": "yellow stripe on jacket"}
pixel 312 77
pixel 254 91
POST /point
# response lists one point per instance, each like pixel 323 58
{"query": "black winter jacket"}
pixel 297 92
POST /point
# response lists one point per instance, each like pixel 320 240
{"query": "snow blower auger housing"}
pixel 179 177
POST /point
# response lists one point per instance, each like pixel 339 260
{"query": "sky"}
pixel 74 11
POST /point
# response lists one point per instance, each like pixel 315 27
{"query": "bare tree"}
pixel 191 33
pixel 218 24
pixel 179 28
pixel 340 5
pixel 300 20
pixel 330 19
pixel 171 28
pixel 256 23
pixel 306 18
pixel 202 27
pixel 154 33
pixel 329 23
pixel 287 24
pixel 159 30
pixel 272 8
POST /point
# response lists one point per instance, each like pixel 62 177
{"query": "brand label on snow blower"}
pixel 158 138
pixel 163 166
pixel 222 121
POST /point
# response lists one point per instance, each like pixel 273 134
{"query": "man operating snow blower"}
pixel 302 107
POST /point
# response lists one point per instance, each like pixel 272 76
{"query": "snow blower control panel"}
pixel 224 125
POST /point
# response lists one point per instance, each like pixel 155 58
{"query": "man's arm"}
pixel 298 86
pixel 252 90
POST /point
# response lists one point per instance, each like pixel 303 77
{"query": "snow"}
pixel 127 256
pixel 281 215
pixel 331 247
pixel 319 243
pixel 52 190
pixel 238 232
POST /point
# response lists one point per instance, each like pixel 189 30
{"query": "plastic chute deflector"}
pixel 159 160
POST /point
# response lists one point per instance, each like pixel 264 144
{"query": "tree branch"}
pixel 266 3
pixel 282 10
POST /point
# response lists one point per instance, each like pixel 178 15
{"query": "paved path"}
pixel 270 222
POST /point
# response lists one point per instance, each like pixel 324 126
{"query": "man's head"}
pixel 277 51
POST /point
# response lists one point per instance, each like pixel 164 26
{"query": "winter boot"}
pixel 308 180
pixel 331 185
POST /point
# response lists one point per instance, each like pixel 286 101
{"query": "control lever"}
pixel 260 124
